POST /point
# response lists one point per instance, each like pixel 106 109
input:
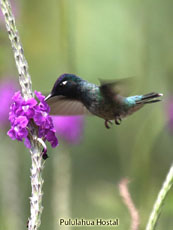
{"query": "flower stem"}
pixel 36 149
pixel 21 63
pixel 160 199
pixel 37 185
pixel 125 194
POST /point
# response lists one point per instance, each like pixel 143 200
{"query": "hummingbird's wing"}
pixel 112 88
pixel 60 105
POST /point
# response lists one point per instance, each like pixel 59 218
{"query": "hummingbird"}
pixel 71 95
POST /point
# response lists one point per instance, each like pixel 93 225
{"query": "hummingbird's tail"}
pixel 149 98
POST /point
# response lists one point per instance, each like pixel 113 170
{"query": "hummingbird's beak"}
pixel 49 96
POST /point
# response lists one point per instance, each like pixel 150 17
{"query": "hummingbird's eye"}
pixel 63 83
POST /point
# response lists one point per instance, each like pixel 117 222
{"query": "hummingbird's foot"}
pixel 118 120
pixel 107 122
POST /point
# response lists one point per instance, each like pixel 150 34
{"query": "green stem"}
pixel 160 199
pixel 36 149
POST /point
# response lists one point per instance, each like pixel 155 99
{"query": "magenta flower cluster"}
pixel 23 112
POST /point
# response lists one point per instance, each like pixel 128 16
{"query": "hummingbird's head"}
pixel 66 85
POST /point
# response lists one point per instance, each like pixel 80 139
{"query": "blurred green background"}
pixel 93 39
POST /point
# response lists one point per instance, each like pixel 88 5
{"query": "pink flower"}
pixel 70 128
pixel 22 112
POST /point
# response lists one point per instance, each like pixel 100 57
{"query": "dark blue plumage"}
pixel 71 95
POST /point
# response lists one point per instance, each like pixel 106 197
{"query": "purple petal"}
pixel 39 119
pixel 27 143
pixel 31 102
pixel 22 121
pixel 30 113
pixel 54 142
pixel 48 123
pixel 41 132
pixel 50 135
pixel 11 133
pixel 22 133
pixel 43 106
pixel 17 97
pixel 39 96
